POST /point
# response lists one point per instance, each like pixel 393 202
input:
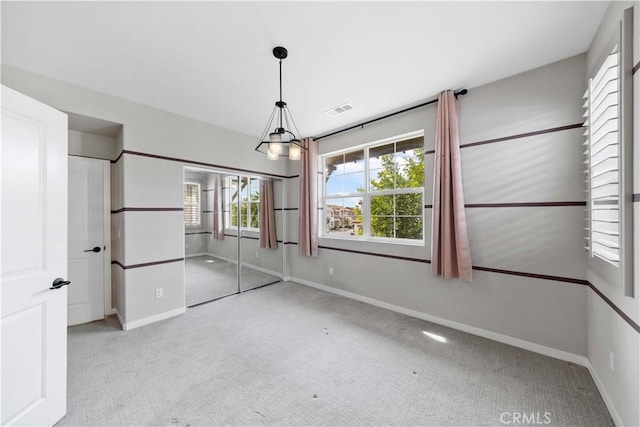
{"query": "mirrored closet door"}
pixel 233 233
pixel 211 249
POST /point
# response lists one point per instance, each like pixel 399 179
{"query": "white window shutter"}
pixel 602 114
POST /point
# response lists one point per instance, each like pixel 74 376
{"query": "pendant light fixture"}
pixel 282 140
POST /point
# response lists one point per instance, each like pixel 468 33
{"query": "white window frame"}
pixel 366 195
pixel 199 205
pixel 228 203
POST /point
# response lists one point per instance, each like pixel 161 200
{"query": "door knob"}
pixel 96 249
pixel 59 282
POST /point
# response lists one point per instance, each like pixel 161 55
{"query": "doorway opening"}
pixel 92 144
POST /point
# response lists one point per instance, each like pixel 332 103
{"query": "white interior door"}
pixel 34 253
pixel 86 240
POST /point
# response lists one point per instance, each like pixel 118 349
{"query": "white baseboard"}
pixel 262 270
pixel 151 319
pixel 195 255
pixel 527 345
pixel 603 392
pixel 233 261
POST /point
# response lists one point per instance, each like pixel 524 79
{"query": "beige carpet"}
pixel 291 355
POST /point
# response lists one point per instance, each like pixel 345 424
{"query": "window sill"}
pixel 402 242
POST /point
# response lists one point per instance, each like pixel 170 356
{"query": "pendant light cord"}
pixel 281 93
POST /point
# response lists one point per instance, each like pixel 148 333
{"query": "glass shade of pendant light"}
pixel 272 156
pixel 294 152
pixel 280 133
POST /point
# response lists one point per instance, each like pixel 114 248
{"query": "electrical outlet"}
pixel 257 254
pixel 330 271
pixel 158 292
pixel 186 245
pixel 611 361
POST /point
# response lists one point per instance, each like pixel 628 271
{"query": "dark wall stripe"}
pixel 636 68
pixel 479 268
pixel 518 136
pixel 147 210
pixel 426 261
pixel 90 157
pixel 146 264
pixel 615 308
pixel 198 232
pixel 194 162
pixel 523 135
pixel 523 204
pixel 532 275
pixel 118 158
pixel 518 205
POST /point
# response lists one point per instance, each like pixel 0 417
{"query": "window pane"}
pixel 345 173
pixel 233 189
pixel 410 163
pixel 409 227
pixel 412 144
pixel 382 226
pixel 254 189
pixel 353 182
pixel 382 205
pixel 234 215
pixel 354 161
pixel 382 167
pixel 244 189
pixel 334 165
pixel 382 179
pixel 334 184
pixel 243 215
pixel 254 215
pixel 344 216
pixel 409 204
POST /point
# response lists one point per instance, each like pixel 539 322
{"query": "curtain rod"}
pixel 460 92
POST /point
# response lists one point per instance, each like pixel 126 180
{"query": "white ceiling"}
pixel 212 61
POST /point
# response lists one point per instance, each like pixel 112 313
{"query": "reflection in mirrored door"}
pixel 211 246
pixel 260 217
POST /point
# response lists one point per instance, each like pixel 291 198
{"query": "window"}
pixel 191 203
pixel 609 164
pixel 248 192
pixel 375 191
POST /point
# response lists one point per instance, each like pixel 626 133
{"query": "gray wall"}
pixel 538 240
pixel 607 331
pixel 150 231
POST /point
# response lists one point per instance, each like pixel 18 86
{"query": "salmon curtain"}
pixel 267 216
pixel 308 200
pixel 218 209
pixel 450 252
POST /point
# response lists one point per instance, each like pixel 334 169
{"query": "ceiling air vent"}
pixel 340 109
